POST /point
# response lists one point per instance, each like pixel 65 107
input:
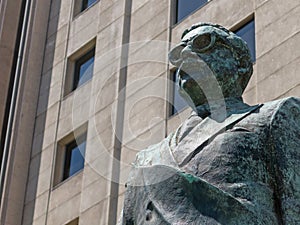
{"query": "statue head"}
pixel 209 48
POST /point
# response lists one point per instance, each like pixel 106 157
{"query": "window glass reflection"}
pixel 186 7
pixel 84 68
pixel 178 103
pixel 247 32
pixel 74 156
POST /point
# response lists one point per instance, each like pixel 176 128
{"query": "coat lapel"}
pixel 202 133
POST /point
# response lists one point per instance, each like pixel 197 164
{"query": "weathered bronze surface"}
pixel 228 163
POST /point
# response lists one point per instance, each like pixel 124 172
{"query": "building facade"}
pixel 86 84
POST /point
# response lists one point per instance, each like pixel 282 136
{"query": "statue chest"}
pixel 235 156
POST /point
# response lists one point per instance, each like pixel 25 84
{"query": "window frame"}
pixel 78 63
pixel 80 135
pixel 74 222
pixel 71 146
pixel 79 7
pixel 71 77
pixel 242 25
pixel 83 7
pixel 172 80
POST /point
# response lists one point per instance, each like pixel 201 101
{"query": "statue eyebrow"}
pixel 184 42
pixel 187 40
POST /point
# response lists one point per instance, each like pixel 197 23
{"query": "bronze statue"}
pixel 228 163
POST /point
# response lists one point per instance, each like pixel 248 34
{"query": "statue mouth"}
pixel 184 79
pixel 191 72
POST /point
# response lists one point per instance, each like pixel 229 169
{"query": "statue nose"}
pixel 180 53
pixel 175 55
pixel 189 53
pixel 186 53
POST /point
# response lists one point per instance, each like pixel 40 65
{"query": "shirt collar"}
pixel 219 110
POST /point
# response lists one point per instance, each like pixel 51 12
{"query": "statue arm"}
pixel 182 198
pixel 285 145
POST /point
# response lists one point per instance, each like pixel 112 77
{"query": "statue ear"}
pixel 245 71
pixel 244 66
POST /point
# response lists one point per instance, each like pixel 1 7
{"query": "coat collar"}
pixel 207 129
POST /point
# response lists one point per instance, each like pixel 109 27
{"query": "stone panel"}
pixel 94 194
pixel 57 21
pixel 57 38
pixel 136 4
pixel 278 32
pixel 272 11
pixel 144 108
pixel 41 162
pixel 295 91
pixel 28 213
pixel 80 39
pixel 53 76
pixel 259 3
pixel 39 221
pixel 53 25
pixel 144 18
pixel 90 175
pixel 40 205
pixel 49 97
pixel 66 212
pixel 49 136
pixel 101 164
pixel 145 71
pixel 113 52
pixel 84 20
pixel 104 93
pixel 37 144
pixel 38 185
pixel 277 58
pixel 101 121
pixel 55 8
pixel 54 56
pixel 151 28
pixel 286 78
pixel 75 110
pixel 45 119
pixel 66 191
pixel 108 15
pixel 99 144
pixel 96 215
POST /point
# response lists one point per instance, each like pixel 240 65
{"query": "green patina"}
pixel 189 177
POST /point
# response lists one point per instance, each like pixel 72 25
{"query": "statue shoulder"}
pixel 285 139
pixel 286 107
pixel 285 119
pixel 155 154
pixel 286 110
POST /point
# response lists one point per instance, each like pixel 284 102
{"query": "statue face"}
pixel 205 61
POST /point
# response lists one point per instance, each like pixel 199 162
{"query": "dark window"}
pixel 247 32
pixel 86 4
pixel 84 68
pixel 177 103
pixel 74 222
pixel 186 7
pixel 74 156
